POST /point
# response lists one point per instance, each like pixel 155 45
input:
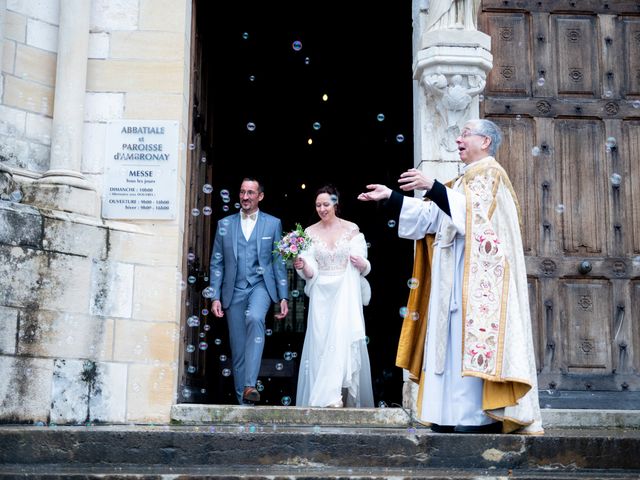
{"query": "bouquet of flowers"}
pixel 293 243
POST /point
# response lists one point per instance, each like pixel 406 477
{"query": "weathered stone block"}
pixel 22 270
pixel 145 342
pixel 39 156
pixel 142 248
pixel 47 333
pixel 65 287
pixel 8 330
pixel 8 56
pixel 153 107
pixel 147 45
pixel 25 389
pixel 35 279
pixel 42 35
pixel 131 76
pixel 107 15
pixel 46 10
pixel 102 107
pixel 86 391
pixel 62 198
pixel 13 121
pixel 35 64
pixel 70 391
pixel 165 15
pixel 15 26
pixel 65 236
pixel 98 45
pixel 93 147
pixel 39 128
pixel 155 294
pixel 28 95
pixel 111 289
pixel 20 225
pixel 14 152
pixel 151 390
pixel 108 397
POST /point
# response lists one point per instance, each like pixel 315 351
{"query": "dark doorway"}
pixel 260 110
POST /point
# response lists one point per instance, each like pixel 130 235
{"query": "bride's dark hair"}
pixel 333 193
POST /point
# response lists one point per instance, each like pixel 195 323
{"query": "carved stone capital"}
pixel 451 96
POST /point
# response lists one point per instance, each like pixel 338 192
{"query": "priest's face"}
pixel 472 145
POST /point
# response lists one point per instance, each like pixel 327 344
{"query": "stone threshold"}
pixel 199 414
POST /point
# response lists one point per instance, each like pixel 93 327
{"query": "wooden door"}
pixel 565 88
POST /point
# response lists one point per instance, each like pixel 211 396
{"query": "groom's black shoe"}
pixel 495 427
pixel 441 428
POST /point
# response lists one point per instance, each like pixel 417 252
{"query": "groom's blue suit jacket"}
pixel 224 257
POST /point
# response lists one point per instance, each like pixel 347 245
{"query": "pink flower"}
pixel 293 248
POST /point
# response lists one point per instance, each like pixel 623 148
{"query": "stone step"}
pixel 54 472
pixel 198 414
pixel 261 450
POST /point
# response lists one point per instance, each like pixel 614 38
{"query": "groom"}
pixel 246 279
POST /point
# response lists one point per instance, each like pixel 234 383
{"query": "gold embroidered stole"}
pixel 485 286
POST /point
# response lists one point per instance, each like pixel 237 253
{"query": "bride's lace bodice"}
pixel 333 258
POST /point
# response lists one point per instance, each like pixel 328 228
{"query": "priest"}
pixel 467 337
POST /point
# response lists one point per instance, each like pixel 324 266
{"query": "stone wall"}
pixel 89 308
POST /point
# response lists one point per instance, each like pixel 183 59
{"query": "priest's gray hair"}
pixel 490 130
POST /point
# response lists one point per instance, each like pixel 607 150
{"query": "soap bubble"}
pixel 297 45
pixel 251 126
pixel 193 321
pixel 535 151
pixel 206 188
pixel 610 143
pixel 380 117
pixel 616 179
pixel 413 283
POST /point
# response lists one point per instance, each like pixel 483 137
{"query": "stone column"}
pixel 451 59
pixel 3 9
pixel 68 114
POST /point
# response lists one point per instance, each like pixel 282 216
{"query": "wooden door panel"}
pixel 632 348
pixel 630 186
pixel 631 44
pixel 538 329
pixel 582 185
pixel 579 103
pixel 510 44
pixel 515 157
pixel 577 54
pixel 586 335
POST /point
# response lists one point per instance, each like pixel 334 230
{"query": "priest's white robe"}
pixel 478 363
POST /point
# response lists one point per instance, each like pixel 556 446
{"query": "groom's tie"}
pixel 252 216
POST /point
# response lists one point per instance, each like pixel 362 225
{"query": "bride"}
pixel 334 370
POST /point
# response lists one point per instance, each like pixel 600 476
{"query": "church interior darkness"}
pixel 268 67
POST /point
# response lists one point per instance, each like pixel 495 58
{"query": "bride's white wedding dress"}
pixel 334 355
